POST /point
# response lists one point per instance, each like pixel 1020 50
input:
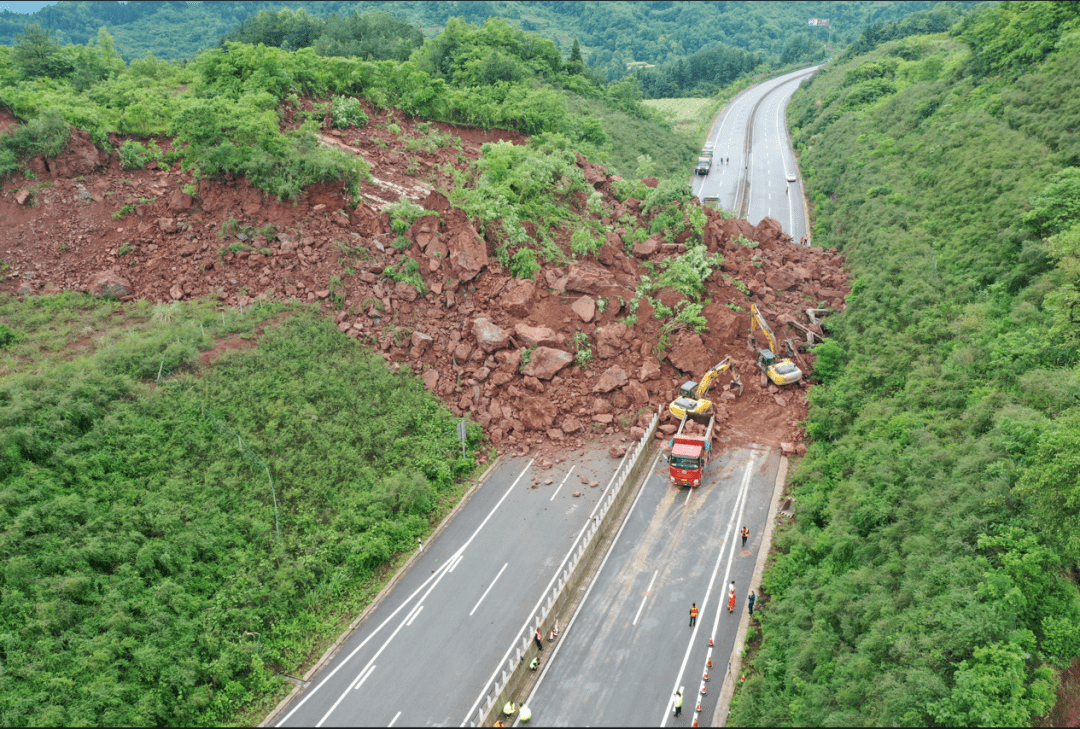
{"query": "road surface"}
pixel 630 645
pixel 430 649
pixel 760 156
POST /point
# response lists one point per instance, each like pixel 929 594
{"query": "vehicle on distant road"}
pixel 704 161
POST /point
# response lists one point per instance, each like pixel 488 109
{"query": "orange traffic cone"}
pixel 695 722
pixel 702 689
pixel 698 707
pixel 708 663
pixel 706 676
pixel 710 640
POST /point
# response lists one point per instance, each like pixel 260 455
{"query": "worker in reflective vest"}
pixel 525 715
pixel 678 703
pixel 693 613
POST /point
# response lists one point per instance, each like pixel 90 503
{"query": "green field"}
pixel 685 114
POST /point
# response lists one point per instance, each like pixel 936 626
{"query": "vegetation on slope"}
pixel 930 573
pixel 611 33
pixel 143 578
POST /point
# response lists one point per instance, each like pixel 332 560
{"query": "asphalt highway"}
pixel 428 652
pixel 764 163
pixel 630 646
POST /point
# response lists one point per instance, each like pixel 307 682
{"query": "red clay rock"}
pixel 650 370
pixel 179 201
pixel 22 196
pixel 647 247
pixel 780 280
pixel 536 336
pixel 80 157
pixel 637 392
pixel 109 283
pixel 537 413
pixel 519 299
pixel 467 252
pixel 488 335
pixel 611 339
pixel 546 362
pixel 612 378
pixel 431 379
pixel 570 425
pixel 585 307
pixel 590 278
pixel 617 450
pixel 687 353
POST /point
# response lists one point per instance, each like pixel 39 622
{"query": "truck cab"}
pixel 688 458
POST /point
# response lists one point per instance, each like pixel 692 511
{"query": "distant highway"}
pixel 751 133
pixel 630 644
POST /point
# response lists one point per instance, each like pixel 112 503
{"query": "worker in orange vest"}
pixel 693 613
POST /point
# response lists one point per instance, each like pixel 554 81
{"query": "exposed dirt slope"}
pixel 466 337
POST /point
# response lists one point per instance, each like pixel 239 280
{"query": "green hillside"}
pixel 929 575
pixel 613 32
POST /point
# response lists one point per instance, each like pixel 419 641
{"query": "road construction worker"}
pixel 535 664
pixel 525 715
pixel 509 709
pixel 678 703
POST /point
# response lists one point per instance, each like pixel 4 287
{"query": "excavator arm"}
pixel 706 380
pixel 758 321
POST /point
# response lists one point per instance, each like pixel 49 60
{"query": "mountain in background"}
pixel 611 34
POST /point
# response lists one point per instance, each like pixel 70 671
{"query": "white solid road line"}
pixel 363 677
pixel 563 482
pixel 645 597
pixel 394 719
pixel 451 563
pixel 488 589
pixel 371 663
pixel 729 535
pixel 592 583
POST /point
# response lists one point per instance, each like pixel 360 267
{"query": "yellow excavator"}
pixel 691 400
pixel 779 372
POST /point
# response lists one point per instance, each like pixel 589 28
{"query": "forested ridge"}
pixel 929 575
pixel 612 33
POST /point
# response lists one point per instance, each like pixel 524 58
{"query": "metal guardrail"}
pixel 595 526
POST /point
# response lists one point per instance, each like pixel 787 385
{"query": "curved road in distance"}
pixel 429 649
pixel 763 164
pixel 629 646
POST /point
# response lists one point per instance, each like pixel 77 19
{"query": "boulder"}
pixel 590 278
pixel 687 353
pixel 768 231
pixel 611 339
pixel 109 283
pixel 405 291
pixel 545 363
pixel 22 196
pixel 518 300
pixel 538 413
pixel 612 378
pixel 431 379
pixel 780 280
pixel 570 424
pixel 179 201
pixel 467 251
pixel 176 292
pixel 637 392
pixel 536 336
pixel 420 342
pixel 585 307
pixel 617 451
pixel 647 247
pixel 650 370
pixel 79 158
pixel 489 335
pixel 424 231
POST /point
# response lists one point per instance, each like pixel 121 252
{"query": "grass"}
pixel 139 520
pixel 685 114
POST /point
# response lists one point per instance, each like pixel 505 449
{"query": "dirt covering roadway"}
pixel 466 337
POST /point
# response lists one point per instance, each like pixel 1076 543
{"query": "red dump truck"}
pixel 689 455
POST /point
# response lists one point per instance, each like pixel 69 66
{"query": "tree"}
pixel 1051 485
pixel 38 54
pixel 575 65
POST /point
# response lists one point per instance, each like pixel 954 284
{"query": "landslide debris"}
pixel 545 365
